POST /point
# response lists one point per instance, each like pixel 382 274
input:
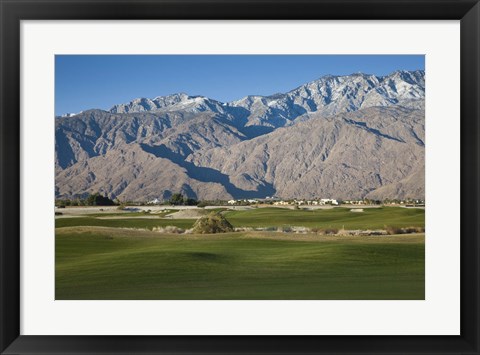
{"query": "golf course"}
pixel 133 256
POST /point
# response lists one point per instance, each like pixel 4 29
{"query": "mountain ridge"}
pixel 195 137
pixel 160 102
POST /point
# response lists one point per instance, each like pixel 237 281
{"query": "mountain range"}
pixel 343 137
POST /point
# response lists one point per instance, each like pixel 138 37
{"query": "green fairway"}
pixel 111 263
pixel 141 223
pixel 130 214
pixel 371 218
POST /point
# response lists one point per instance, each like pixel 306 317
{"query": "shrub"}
pixel 168 229
pixel 393 230
pixel 418 229
pixel 413 230
pixel 331 231
pixel 212 223
pixel 407 230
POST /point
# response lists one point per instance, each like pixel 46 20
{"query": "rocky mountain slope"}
pixel 339 136
pixel 353 154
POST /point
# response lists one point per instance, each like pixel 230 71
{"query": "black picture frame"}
pixel 13 11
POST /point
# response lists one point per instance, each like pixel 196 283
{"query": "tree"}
pixel 176 199
pixel 98 200
pixel 190 202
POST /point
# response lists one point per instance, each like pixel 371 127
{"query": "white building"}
pixel 326 201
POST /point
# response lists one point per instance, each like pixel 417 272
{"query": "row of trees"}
pixel 98 199
pixel 179 200
pixel 95 199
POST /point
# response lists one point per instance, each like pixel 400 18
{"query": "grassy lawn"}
pixel 141 223
pixel 127 214
pixel 111 263
pixel 371 218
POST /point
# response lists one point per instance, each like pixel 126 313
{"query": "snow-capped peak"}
pixel 330 94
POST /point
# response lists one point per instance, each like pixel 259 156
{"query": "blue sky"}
pixel 101 81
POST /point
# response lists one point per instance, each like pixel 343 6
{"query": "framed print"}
pixel 237 177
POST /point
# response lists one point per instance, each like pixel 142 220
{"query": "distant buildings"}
pixel 320 202
pixel 277 201
pixel 328 201
pixel 354 202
